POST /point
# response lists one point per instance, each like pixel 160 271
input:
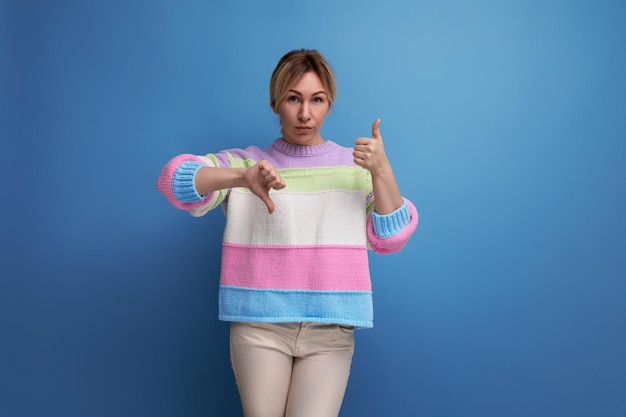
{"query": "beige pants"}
pixel 291 369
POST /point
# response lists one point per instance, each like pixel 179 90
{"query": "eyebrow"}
pixel 314 94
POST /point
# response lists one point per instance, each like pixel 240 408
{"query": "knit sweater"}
pixel 306 262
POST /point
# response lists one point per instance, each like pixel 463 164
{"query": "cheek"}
pixel 282 115
pixel 286 113
pixel 322 113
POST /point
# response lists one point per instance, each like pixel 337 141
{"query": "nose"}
pixel 304 113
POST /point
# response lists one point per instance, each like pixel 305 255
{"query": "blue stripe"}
pixel 183 183
pixel 350 308
pixel 389 225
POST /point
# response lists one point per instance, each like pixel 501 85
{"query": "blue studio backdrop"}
pixel 505 122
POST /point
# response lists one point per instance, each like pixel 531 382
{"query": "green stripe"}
pixel 370 206
pixel 213 159
pixel 221 195
pixel 351 178
pixel 327 178
pixel 239 162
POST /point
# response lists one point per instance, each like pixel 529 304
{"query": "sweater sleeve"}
pixel 389 233
pixel 176 183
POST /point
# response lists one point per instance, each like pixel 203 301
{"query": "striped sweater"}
pixel 306 262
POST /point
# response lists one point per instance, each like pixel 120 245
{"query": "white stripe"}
pixel 297 218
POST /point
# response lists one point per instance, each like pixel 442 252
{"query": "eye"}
pixel 318 100
pixel 293 99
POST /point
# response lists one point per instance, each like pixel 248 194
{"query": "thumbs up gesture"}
pixel 369 153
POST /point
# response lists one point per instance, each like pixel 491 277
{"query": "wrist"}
pixel 240 177
pixel 382 173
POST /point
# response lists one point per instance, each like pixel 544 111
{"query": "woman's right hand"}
pixel 262 177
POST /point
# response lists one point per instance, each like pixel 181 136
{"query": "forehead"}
pixel 309 83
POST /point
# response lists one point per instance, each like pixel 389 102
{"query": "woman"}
pixel 300 217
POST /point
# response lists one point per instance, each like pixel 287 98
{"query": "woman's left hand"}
pixel 369 153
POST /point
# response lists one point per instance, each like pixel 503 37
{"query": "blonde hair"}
pixel 292 67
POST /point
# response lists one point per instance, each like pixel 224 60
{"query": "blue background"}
pixel 505 122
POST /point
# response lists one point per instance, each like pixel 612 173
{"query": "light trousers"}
pixel 291 369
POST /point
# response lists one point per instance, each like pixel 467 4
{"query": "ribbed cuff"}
pixel 183 183
pixel 388 225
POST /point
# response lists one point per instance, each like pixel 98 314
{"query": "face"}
pixel 303 110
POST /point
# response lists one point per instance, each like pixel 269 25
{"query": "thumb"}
pixel 265 197
pixel 376 130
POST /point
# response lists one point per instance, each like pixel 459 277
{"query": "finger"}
pixel 277 184
pixel 268 202
pixel 265 168
pixel 358 155
pixel 273 180
pixel 359 161
pixel 376 130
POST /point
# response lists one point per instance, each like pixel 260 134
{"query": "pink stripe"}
pixel 166 177
pixel 325 268
pixel 395 243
